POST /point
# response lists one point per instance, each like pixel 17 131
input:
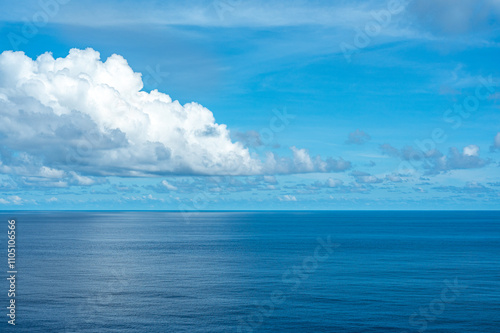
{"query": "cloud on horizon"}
pixel 434 162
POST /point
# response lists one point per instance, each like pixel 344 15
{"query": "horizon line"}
pixel 251 210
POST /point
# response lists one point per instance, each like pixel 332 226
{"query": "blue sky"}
pixel 282 105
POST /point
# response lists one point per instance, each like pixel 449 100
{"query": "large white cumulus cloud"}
pixel 81 114
pixel 74 116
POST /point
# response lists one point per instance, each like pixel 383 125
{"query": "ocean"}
pixel 343 271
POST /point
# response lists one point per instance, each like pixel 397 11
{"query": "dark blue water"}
pixel 255 272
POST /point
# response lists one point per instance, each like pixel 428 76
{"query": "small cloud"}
pixel 476 187
pixel 82 180
pixel 287 198
pixel 394 178
pixel 468 159
pixel 15 200
pixel 329 183
pixel 270 180
pixel 471 150
pixel 365 178
pixel 169 186
pixel 334 182
pixel 358 137
pixel 302 162
pixel 496 143
pixel 46 172
pixel 389 150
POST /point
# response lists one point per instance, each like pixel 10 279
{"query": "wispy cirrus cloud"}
pixel 213 13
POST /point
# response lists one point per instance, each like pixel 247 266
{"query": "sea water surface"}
pixel 255 272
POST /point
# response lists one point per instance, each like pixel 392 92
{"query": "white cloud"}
pixel 287 198
pixel 419 190
pixel 334 182
pixel 469 159
pixel 471 150
pixel 81 114
pixel 64 119
pixel 15 200
pixel 270 179
pixel 169 186
pixel 496 142
pixel 366 178
pixel 51 173
pixel 394 178
pixel 81 180
pixel 302 160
